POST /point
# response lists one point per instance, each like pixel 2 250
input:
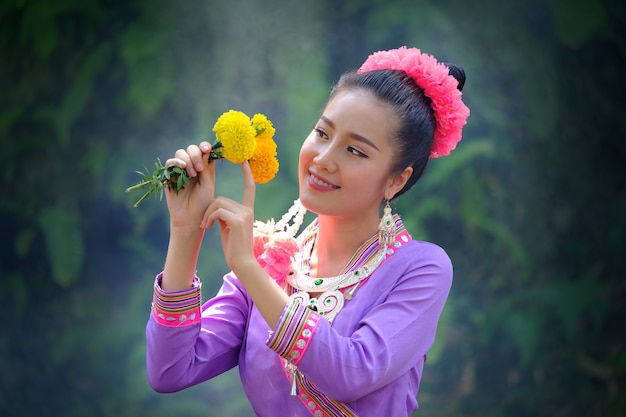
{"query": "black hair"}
pixel 414 138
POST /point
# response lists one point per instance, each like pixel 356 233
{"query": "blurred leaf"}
pixel 150 69
pixel 64 243
pixel 39 27
pixel 24 241
pixel 571 304
pixel 445 322
pixel 441 170
pixel 583 20
pixel 95 161
pixel 63 117
pixel 9 117
pixel 525 331
pixel 17 292
pixel 10 6
pixel 41 22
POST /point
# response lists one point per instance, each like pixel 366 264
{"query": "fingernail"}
pixel 199 166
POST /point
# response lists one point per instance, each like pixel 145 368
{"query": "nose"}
pixel 325 158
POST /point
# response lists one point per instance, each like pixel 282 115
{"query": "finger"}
pixel 249 188
pixel 209 215
pixel 195 154
pixel 176 162
pixel 205 147
pixel 182 155
pixel 221 209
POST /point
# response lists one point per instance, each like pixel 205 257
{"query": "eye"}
pixel 320 133
pixel 356 152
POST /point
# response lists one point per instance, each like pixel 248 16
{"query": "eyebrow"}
pixel 353 135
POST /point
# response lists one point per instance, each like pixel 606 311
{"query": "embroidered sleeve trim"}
pixel 176 308
pixel 293 333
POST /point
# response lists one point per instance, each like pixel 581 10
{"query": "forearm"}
pixel 182 258
pixel 179 354
pixel 268 297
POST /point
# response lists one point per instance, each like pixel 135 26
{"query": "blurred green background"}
pixel 531 206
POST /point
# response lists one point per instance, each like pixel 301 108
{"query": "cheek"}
pixel 306 150
pixel 304 157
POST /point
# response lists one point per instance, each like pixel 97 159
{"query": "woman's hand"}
pixel 236 222
pixel 188 206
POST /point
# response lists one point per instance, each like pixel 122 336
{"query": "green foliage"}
pixel 63 117
pixel 149 75
pixel 582 22
pixel 64 244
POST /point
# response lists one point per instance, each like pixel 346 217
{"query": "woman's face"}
pixel 345 161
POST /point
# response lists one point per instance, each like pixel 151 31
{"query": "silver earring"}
pixel 386 227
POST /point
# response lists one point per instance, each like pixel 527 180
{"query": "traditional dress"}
pixel 367 360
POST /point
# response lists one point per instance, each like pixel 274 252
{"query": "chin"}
pixel 317 204
pixel 308 203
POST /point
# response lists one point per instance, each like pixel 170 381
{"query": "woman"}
pixel 345 329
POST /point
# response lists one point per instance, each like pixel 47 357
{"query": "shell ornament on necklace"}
pixel 328 305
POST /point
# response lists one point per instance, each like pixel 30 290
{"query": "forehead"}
pixel 362 113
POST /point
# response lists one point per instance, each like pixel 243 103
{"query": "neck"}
pixel 337 241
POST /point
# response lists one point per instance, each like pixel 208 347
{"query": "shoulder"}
pixel 418 260
pixel 422 253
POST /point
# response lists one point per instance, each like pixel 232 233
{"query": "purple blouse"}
pixel 369 362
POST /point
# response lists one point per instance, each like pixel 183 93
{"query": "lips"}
pixel 320 184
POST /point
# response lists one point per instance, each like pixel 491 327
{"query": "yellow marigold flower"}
pixel 263 127
pixel 263 163
pixel 264 147
pixel 234 131
pixel 264 168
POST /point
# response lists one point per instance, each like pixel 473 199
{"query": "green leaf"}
pixel 149 69
pixel 16 286
pixel 583 20
pixel 440 170
pixel 95 161
pixel 9 117
pixel 524 329
pixel 38 24
pixel 64 243
pixel 24 241
pixel 62 117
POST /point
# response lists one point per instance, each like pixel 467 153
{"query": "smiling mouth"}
pixel 321 183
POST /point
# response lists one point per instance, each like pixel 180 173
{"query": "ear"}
pixel 396 182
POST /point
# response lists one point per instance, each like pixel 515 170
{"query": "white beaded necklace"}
pixel 306 283
pixel 332 300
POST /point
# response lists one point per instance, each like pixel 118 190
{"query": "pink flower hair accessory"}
pixel 433 77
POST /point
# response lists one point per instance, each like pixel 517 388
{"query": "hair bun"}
pixel 457 72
